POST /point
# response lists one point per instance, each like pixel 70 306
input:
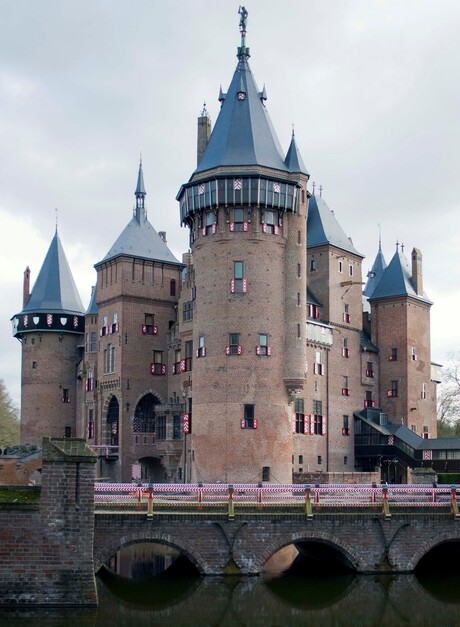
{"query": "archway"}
pixel 144 414
pixel 113 416
pixel 152 470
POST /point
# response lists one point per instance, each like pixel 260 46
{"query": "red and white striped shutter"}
pixel 227 350
pixel 144 329
pixel 264 228
pixel 256 423
pixel 232 226
pixel 312 424
pixel 214 228
pixel 306 425
pixel 276 229
pixel 232 286
pixel 257 350
pixel 197 354
pixel 163 368
pixel 245 285
pixel 203 351
pixel 240 350
pixel 293 423
pixel 243 423
pixel 204 230
pixel 324 426
pixel 182 365
pixel 269 350
pixel 245 227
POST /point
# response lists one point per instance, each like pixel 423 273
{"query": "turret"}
pixel 246 211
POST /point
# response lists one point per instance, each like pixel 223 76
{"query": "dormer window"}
pixel 241 95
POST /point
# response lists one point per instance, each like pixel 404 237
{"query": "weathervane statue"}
pixel 244 14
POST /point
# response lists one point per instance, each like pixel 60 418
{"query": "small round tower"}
pixel 50 328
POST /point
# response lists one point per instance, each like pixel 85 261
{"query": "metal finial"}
pixel 140 157
pixel 314 187
pixel 402 248
pixel 397 246
pixel 293 130
pixel 320 191
pixel 56 212
pixel 380 238
pixel 204 111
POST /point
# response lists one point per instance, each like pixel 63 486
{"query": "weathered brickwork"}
pixel 46 552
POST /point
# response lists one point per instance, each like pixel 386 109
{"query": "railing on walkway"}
pixel 285 498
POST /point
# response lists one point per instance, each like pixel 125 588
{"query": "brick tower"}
pixel 50 328
pixel 246 206
pixel 128 403
pixel 400 312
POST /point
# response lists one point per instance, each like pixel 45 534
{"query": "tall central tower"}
pixel 246 207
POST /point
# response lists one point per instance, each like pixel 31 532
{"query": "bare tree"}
pixel 9 418
pixel 449 398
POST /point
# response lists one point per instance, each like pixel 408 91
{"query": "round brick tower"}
pixel 245 206
pixel 50 328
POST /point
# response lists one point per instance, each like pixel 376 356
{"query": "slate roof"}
pixel 293 160
pixel 375 273
pixel 366 344
pixel 139 239
pixel 243 134
pixel 92 307
pixel 397 280
pixel 311 299
pixel 323 228
pixel 54 290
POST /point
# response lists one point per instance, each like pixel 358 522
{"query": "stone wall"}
pixel 46 549
pixel 337 477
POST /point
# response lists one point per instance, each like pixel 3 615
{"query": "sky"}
pixel 371 86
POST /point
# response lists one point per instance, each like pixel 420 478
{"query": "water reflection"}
pixel 170 595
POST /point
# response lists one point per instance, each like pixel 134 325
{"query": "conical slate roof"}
pixel 323 228
pixel 243 134
pixel 293 160
pixel 92 307
pixel 375 274
pixel 139 238
pixel 397 280
pixel 54 290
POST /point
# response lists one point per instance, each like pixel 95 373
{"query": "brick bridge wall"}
pixel 46 551
pixel 216 545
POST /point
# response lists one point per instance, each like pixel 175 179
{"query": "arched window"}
pixel 113 414
pixel 144 415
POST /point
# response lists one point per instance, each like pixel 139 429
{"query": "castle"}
pixel 258 356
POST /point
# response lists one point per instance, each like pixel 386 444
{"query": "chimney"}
pixel 26 287
pixel 204 133
pixel 417 277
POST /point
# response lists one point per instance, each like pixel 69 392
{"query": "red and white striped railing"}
pixel 241 495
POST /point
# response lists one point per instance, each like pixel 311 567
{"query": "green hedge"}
pixel 450 478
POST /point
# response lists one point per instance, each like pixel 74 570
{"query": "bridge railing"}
pixel 307 498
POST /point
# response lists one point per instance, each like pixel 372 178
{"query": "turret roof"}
pixel 54 290
pixel 293 160
pixel 139 238
pixel 397 280
pixel 92 307
pixel 323 228
pixel 375 274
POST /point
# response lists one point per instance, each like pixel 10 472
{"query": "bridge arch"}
pixel 113 544
pixel 320 537
pixel 426 546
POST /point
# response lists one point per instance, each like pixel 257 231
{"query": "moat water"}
pixel 161 591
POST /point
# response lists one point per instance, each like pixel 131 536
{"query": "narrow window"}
pixel 394 354
pixel 300 459
pixel 172 287
pixel 161 428
pixel 312 265
pixel 370 370
pixel 393 391
pixel 317 418
pixel 299 270
pixel 157 367
pixel 345 425
pixel 238 225
pixel 263 348
pixel 423 391
pixel 346 313
pixel 340 266
pixel 345 349
pixel 266 473
pixel 350 269
pixel 300 422
pixel 270 226
pixel 249 422
pixel 201 350
pixel 65 396
pixel 238 283
pixel 320 460
pixel 345 388
pixel 413 355
pixel 234 347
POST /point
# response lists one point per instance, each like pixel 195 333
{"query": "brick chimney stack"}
pixel 204 133
pixel 417 276
pixel 26 287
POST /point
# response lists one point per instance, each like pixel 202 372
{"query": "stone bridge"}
pixel 216 545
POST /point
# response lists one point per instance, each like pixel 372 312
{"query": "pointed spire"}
pixel 293 160
pixel 376 272
pixel 140 193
